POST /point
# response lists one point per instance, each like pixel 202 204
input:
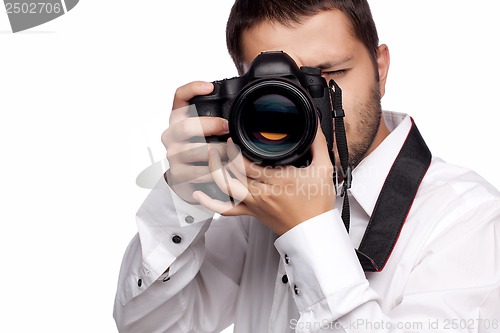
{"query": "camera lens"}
pixel 273 122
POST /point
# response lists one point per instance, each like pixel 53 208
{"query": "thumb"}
pixel 319 149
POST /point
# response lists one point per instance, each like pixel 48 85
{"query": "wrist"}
pixel 183 190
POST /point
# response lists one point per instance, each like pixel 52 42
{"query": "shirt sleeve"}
pixel 325 287
pixel 172 277
pixel 453 287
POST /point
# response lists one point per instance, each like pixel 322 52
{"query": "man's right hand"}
pixel 187 152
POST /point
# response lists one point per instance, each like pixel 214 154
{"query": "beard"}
pixel 360 136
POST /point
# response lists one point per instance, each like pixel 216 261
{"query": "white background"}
pixel 83 96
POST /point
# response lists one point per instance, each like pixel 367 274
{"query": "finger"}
pixel 261 173
pixel 226 208
pixel 183 173
pixel 231 166
pixel 194 152
pixel 255 187
pixel 243 165
pixel 184 93
pixel 223 179
pixel 194 127
pixel 236 162
pixel 180 114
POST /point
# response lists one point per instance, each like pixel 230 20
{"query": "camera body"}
pixel 273 110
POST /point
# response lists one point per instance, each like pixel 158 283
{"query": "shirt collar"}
pixel 369 176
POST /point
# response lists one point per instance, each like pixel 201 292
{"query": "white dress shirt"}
pixel 442 276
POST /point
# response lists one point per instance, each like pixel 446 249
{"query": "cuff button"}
pixel 287 259
pixel 176 239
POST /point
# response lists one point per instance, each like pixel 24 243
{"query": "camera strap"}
pixel 394 202
pixel 396 197
pixel 341 140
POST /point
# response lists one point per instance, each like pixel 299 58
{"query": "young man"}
pixel 282 260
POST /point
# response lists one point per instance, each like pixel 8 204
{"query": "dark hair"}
pixel 246 14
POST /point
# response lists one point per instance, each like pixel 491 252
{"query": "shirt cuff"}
pixel 167 226
pixel 319 259
pixel 187 214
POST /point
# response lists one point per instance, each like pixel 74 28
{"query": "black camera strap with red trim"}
pixel 397 195
pixel 394 202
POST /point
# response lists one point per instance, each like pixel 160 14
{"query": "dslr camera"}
pixel 273 110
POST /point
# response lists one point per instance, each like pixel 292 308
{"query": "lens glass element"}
pixel 273 124
pixel 273 121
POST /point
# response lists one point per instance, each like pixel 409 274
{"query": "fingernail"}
pixel 195 197
pixel 206 86
pixel 225 126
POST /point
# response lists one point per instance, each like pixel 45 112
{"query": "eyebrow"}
pixel 327 65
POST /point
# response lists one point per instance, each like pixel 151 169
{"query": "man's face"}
pixel 325 41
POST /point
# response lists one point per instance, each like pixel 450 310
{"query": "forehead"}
pixel 322 38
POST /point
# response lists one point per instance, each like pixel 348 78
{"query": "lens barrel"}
pixel 273 121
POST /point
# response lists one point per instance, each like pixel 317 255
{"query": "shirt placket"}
pixel 281 299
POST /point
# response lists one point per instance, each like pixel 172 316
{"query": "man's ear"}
pixel 383 62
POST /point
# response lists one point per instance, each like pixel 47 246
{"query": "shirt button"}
pixel 139 282
pixel 296 290
pixel 189 219
pixel 284 279
pixel 287 259
pixel 176 239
